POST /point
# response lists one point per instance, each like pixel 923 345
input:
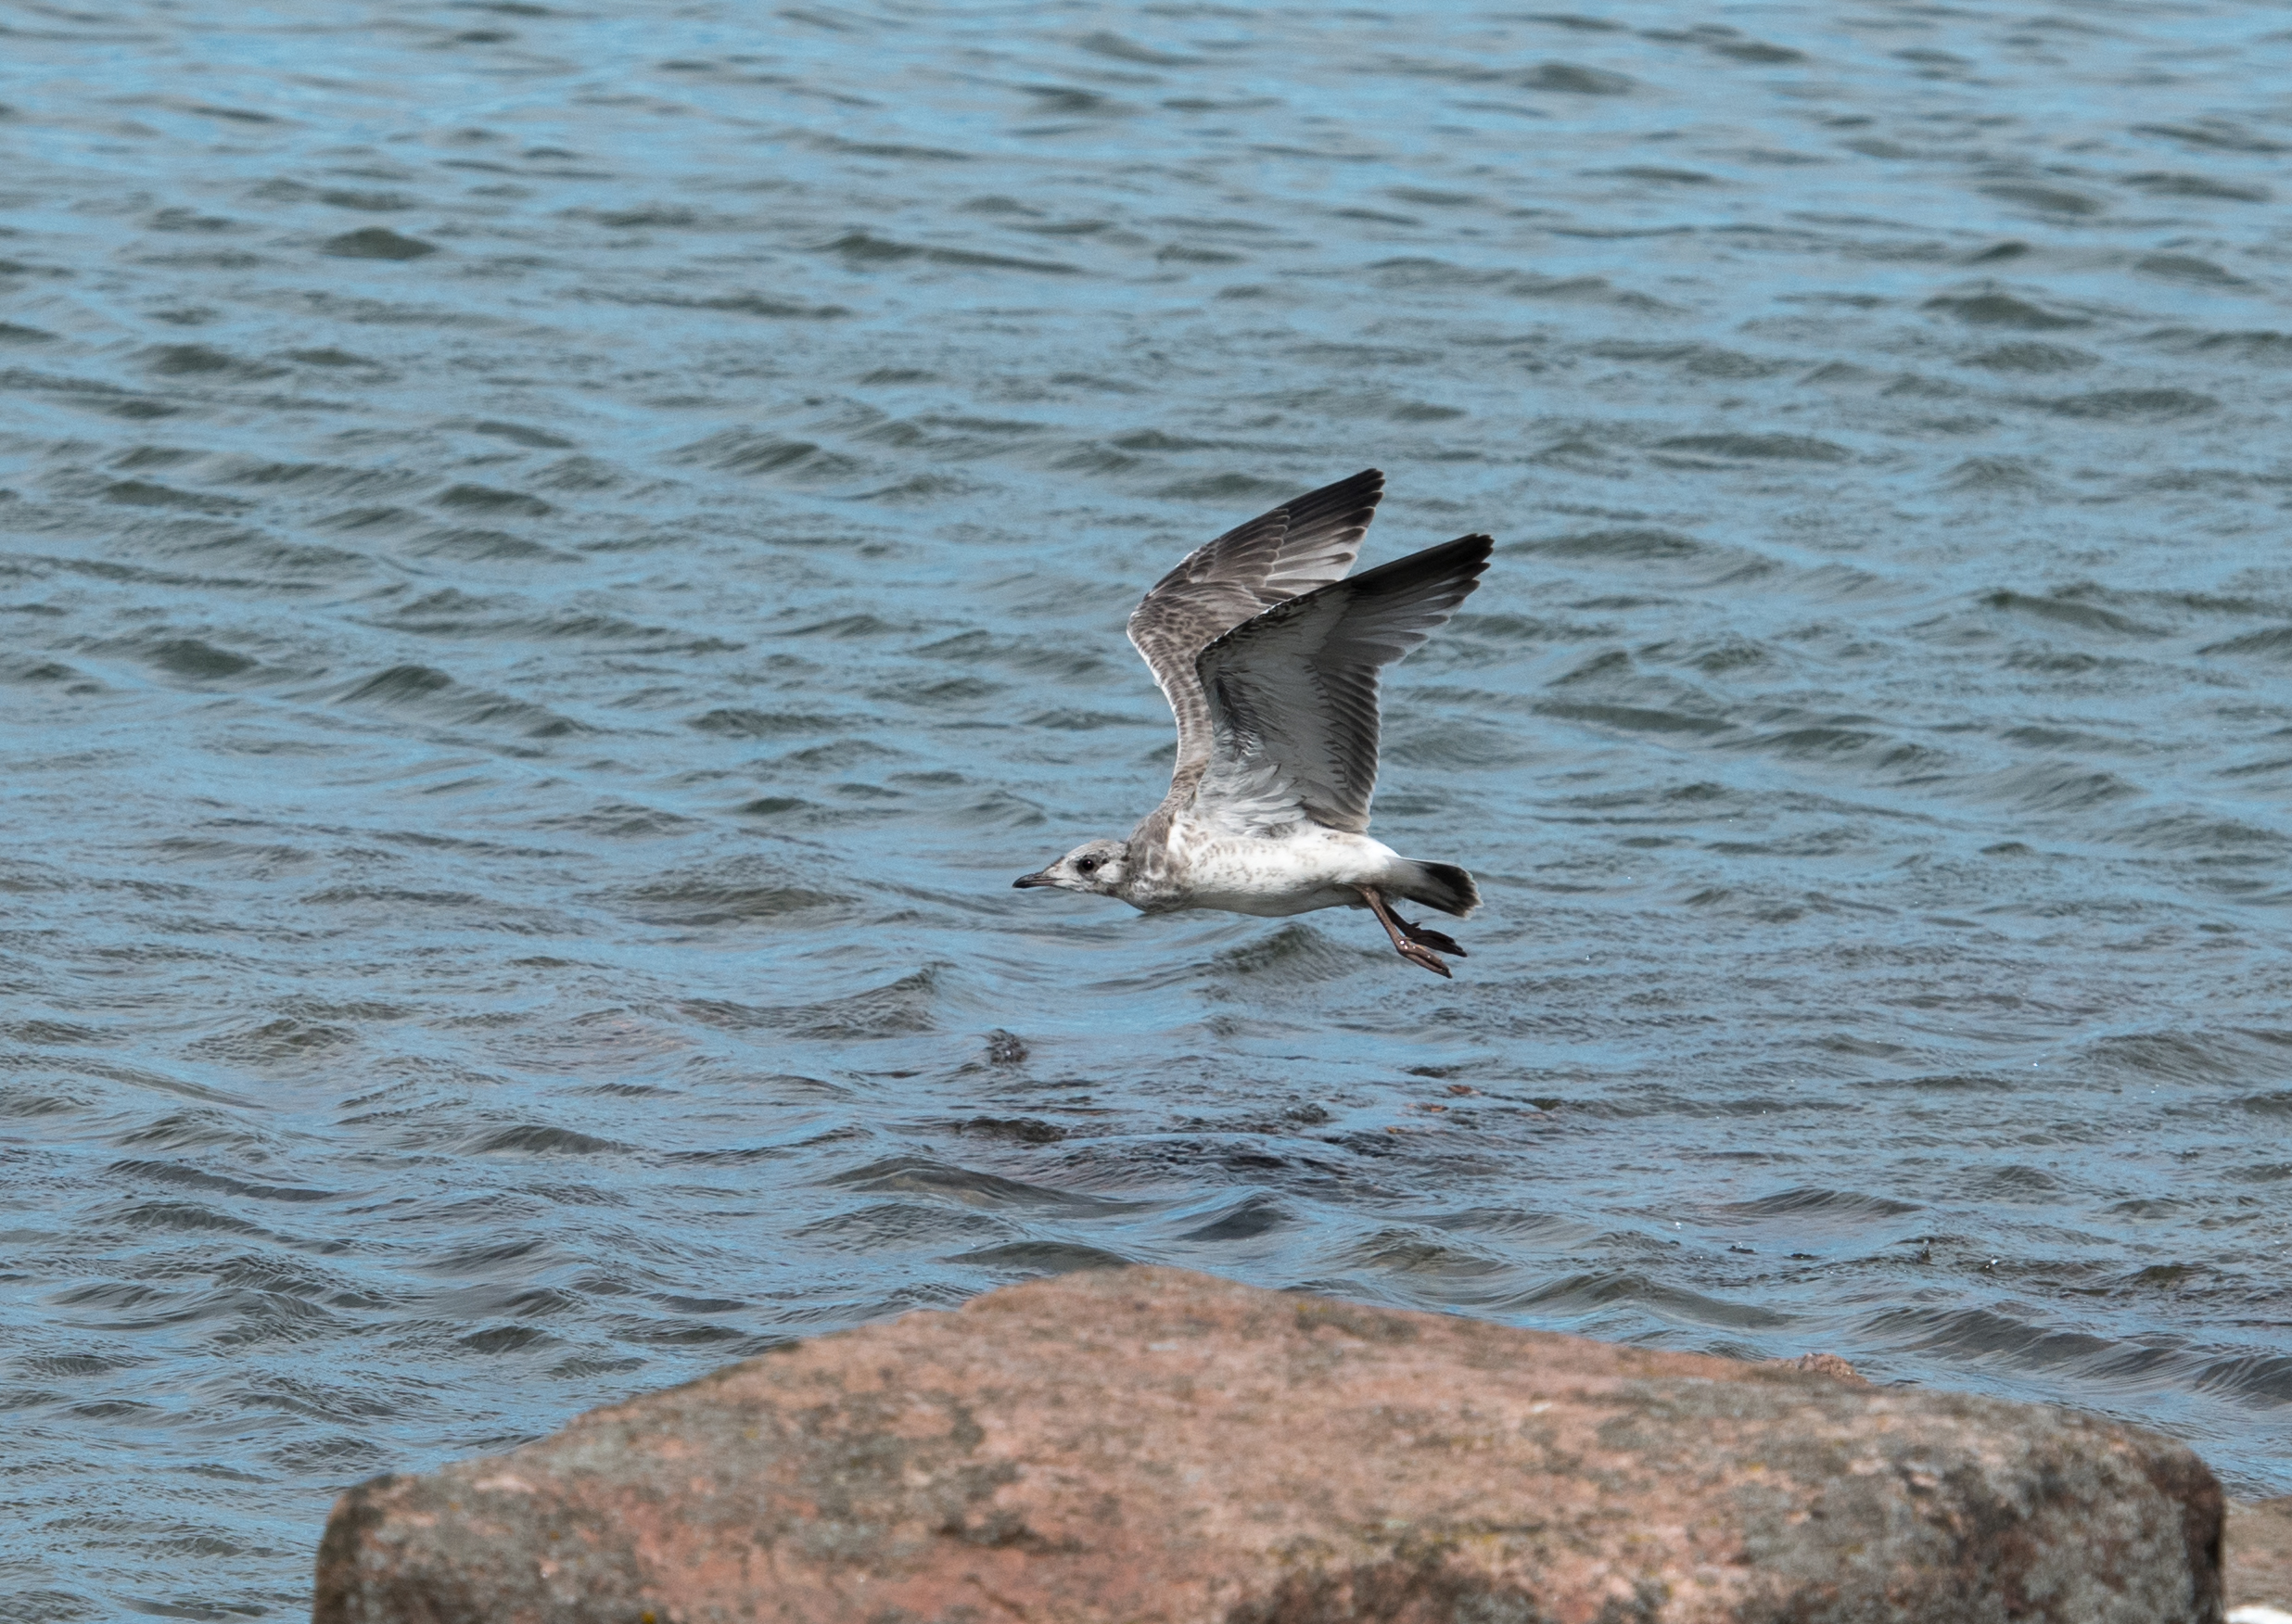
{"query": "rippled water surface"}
pixel 558 558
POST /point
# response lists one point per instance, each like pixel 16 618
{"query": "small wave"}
pixel 1695 359
pixel 586 474
pixel 2215 134
pixel 1580 1295
pixel 2063 611
pixel 330 356
pixel 918 489
pixel 2272 645
pixel 2266 347
pixel 933 694
pixel 752 452
pixel 1959 1082
pixel 2181 1057
pixel 399 684
pixel 617 820
pixel 484 499
pixel 2208 837
pixel 966 1187
pixel 1229 487
pixel 1405 1251
pixel 307 478
pixel 861 248
pixel 191 656
pixel 892 1010
pixel 175 1173
pixel 2264 1379
pixel 478 546
pixel 895 1009
pixel 185 1217
pixel 1042 1257
pixel 1757 448
pixel 149 493
pixel 1017 1130
pixel 1419 272
pixel 1816 1200
pixel 506 1339
pixel 1105 43
pixel 2171 183
pixel 746 890
pixel 1571 79
pixel 274 1043
pixel 1982 1332
pixel 899 1225
pixel 762 305
pixel 541 1140
pixel 2135 405
pixel 743 1155
pixel 1717 657
pixel 204 360
pixel 376 242
pixel 1541 1230
pixel 1195 254
pixel 2187 268
pixel 2058 201
pixel 739 722
pixel 1722 41
pixel 1632 718
pixel 1998 475
pixel 2058 786
pixel 427 688
pixel 1082 721
pixel 1245 1220
pixel 1995 309
pixel 194 1130
pixel 370 517
pixel 1295 954
pixel 2015 1182
pixel 1661 175
pixel 487 1256
pixel 1637 544
pixel 2031 356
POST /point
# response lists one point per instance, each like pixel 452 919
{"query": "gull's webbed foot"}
pixel 1418 953
pixel 1430 938
pixel 1413 942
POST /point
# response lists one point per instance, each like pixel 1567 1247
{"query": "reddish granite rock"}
pixel 2258 1543
pixel 1144 1444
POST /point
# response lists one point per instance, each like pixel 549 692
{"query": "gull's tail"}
pixel 1441 885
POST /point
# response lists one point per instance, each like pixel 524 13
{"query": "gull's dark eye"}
pixel 1087 865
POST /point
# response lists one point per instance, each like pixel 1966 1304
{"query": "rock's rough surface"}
pixel 1144 1444
pixel 2259 1544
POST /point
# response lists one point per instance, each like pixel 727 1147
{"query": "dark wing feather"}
pixel 1301 545
pixel 1292 692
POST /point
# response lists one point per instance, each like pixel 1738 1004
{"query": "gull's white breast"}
pixel 1293 869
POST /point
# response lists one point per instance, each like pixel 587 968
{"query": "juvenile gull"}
pixel 1268 657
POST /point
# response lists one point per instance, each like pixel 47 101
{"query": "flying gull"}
pixel 1268 657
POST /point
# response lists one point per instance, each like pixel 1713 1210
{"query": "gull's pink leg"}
pixel 1403 936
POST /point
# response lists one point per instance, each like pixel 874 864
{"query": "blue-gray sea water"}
pixel 557 558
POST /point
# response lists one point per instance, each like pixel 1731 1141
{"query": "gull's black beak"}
pixel 1028 881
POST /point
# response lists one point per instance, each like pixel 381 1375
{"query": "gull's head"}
pixel 1095 869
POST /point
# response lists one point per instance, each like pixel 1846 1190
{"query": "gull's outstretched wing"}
pixel 1301 545
pixel 1291 693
